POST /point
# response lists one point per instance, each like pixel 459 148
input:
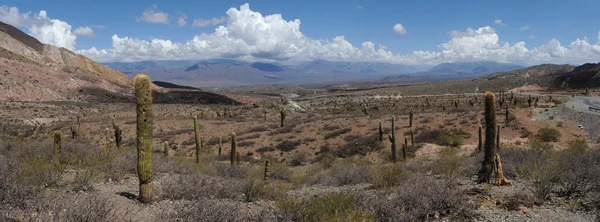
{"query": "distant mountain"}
pixel 169 85
pixel 224 72
pixel 533 71
pixel 456 71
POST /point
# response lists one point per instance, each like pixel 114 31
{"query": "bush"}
pixel 257 129
pixel 287 145
pixel 428 136
pixel 418 199
pixel 577 171
pixel 330 207
pixel 299 158
pixel 452 137
pixel 92 208
pixel 212 210
pixel 246 143
pixel 195 187
pixel 448 163
pixel 265 149
pixel 347 174
pixel 521 199
pixel 359 145
pixel 548 135
pixel 337 133
pixel 387 175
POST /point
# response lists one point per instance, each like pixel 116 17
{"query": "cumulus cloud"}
pixel 399 29
pixel 499 22
pixel 84 31
pixel 523 28
pixel 46 30
pixel 249 35
pixel 209 22
pixel 151 16
pixel 181 20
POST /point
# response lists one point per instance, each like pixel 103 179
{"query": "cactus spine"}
pixel 490 132
pixel 198 139
pixel 480 145
pixel 143 100
pixel 57 147
pixel 282 114
pixel 233 147
pixel 392 138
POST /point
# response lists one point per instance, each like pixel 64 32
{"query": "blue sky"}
pixel 531 29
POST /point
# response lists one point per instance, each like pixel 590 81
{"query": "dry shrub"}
pixel 420 199
pixel 287 145
pixel 213 210
pixel 299 158
pixel 344 173
pixel 521 199
pixel 197 186
pixel 337 133
pixel 359 145
pixel 329 207
pixel 448 163
pixel 387 175
pixel 85 207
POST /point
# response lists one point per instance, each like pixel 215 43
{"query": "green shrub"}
pixel 548 135
pixel 287 145
pixel 330 207
pixel 387 175
pixel 448 163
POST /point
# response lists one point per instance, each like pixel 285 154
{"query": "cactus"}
pixel 265 114
pixel 380 132
pixel 118 136
pixel 412 138
pixel 365 110
pixel 220 144
pixel 143 100
pixel 267 169
pixel 529 101
pixel 282 114
pixel 480 145
pixel 507 115
pixel 455 104
pixel 73 132
pixel 57 147
pixel 410 117
pixel 198 139
pixel 392 138
pixel 166 148
pixel 490 132
pixel 404 148
pixel 233 148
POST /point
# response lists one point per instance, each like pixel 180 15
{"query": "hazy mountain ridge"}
pixel 458 70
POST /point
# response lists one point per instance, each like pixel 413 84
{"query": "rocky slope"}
pixel 33 71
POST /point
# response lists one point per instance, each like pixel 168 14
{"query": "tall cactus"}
pixel 233 148
pixel 118 136
pixel 412 138
pixel 166 148
pixel 143 100
pixel 57 147
pixel 197 138
pixel 380 132
pixel 480 145
pixel 282 115
pixel 265 115
pixel 267 169
pixel 392 138
pixel 490 132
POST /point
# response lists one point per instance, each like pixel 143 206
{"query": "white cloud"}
pixel 251 36
pixel 149 15
pixel 209 22
pixel 399 29
pixel 523 28
pixel 84 31
pixel 532 37
pixel 499 22
pixel 181 20
pixel 46 30
pixel 358 6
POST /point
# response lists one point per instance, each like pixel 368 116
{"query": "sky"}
pixel 412 32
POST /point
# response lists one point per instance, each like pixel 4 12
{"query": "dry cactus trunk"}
pixel 485 172
pixel 197 138
pixel 233 148
pixel 392 138
pixel 500 179
pixel 57 147
pixel 267 169
pixel 143 100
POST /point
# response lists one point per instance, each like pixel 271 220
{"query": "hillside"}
pixel 459 70
pixel 33 71
pixel 533 71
